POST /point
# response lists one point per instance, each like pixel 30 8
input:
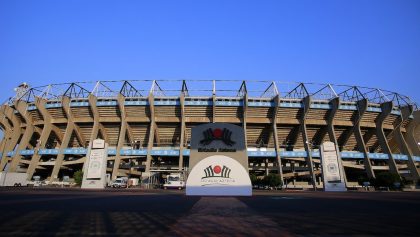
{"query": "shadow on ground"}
pixel 58 213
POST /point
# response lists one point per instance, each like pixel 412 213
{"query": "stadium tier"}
pixel 147 126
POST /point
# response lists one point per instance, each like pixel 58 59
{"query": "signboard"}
pixel 94 172
pixel 98 144
pixel 218 161
pixel 332 172
pixel 96 161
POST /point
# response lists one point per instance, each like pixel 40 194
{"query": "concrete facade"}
pixel 149 132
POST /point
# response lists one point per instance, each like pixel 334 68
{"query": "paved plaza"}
pixel 73 212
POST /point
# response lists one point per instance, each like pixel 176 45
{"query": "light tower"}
pixel 21 90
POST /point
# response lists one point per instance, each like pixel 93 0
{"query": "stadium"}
pixel 147 126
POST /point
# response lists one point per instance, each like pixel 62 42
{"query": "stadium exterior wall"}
pixel 47 134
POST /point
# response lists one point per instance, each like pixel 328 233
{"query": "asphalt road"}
pixel 72 212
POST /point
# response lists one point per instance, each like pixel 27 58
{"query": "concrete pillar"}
pixel 213 119
pixel 24 142
pixel 4 145
pixel 362 107
pixel 244 116
pixel 335 103
pixel 121 138
pixel 276 101
pixel 21 107
pixel 386 111
pixel 182 138
pixel 96 124
pixel 11 135
pixel 306 107
pixel 4 121
pixel 3 142
pixel 151 136
pixel 65 102
pixel 45 134
pixel 47 121
pixel 405 114
pixel 412 129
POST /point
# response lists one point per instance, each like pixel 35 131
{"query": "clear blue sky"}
pixel 367 43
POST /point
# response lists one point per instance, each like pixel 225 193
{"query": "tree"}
pixel 273 180
pixel 78 177
pixel 254 179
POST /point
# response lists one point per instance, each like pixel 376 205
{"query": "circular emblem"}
pixel 217 169
pixel 217 133
pixel 332 168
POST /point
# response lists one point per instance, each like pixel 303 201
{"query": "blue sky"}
pixel 366 43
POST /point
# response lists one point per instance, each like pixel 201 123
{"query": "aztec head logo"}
pixel 216 172
pixel 217 134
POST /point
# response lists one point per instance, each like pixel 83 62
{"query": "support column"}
pixel 45 134
pixel 151 135
pixel 405 114
pixel 410 138
pixel 306 107
pixel 13 139
pixel 21 107
pixel 47 120
pixel 26 138
pixel 5 143
pixel 65 102
pixel 214 102
pixel 182 138
pixel 213 119
pixel 362 107
pixel 386 111
pixel 95 129
pixel 335 103
pixel 121 138
pixel 11 135
pixel 96 124
pixel 4 121
pixel 4 140
pixel 276 101
pixel 244 116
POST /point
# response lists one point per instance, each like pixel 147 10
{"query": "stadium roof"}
pixel 207 88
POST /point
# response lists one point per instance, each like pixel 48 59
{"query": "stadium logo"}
pixel 216 171
pixel 216 175
pixel 217 134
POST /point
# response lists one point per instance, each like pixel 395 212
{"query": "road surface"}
pixel 73 212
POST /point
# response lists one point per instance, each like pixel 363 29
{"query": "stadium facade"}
pixel 147 125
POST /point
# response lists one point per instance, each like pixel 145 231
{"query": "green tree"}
pixel 254 179
pixel 78 177
pixel 273 180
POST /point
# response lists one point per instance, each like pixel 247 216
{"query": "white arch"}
pixel 231 180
